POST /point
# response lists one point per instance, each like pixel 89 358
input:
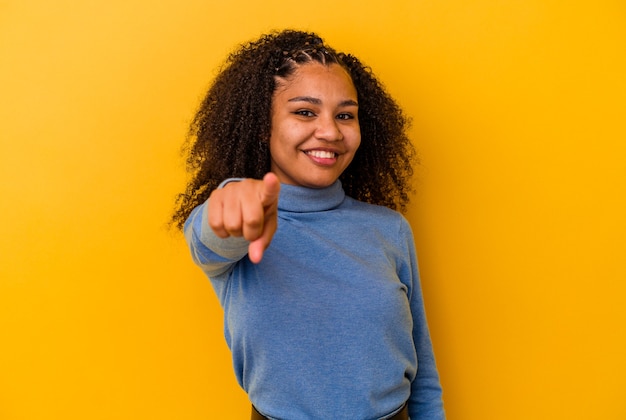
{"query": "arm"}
pixel 214 255
pixel 236 220
pixel 425 401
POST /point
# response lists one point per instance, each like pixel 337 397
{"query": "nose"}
pixel 327 129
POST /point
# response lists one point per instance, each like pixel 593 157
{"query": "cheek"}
pixel 356 138
pixel 275 134
pixel 288 134
pixel 280 145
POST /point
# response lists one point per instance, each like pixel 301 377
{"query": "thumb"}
pixel 270 190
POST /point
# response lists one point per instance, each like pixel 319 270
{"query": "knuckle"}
pixel 232 227
pixel 215 224
pixel 254 221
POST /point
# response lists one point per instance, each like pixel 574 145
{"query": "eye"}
pixel 345 116
pixel 304 113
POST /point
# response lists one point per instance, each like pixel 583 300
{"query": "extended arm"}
pixel 236 220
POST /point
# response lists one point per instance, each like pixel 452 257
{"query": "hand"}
pixel 247 208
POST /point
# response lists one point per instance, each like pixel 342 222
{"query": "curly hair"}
pixel 230 133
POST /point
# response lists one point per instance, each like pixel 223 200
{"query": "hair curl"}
pixel 230 133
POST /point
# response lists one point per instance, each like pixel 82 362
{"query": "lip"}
pixel 316 155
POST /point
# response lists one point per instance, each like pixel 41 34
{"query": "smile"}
pixel 321 154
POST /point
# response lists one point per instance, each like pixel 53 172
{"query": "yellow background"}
pixel 519 117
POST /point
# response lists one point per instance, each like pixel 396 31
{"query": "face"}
pixel 315 128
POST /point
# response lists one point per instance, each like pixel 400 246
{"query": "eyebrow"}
pixel 316 101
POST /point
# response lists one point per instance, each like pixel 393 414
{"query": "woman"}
pixel 300 160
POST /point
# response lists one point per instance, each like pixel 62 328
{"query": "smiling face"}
pixel 315 128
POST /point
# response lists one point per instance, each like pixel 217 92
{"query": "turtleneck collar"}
pixel 303 200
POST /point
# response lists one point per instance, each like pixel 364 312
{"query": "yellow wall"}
pixel 519 110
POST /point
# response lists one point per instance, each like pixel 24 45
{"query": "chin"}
pixel 318 183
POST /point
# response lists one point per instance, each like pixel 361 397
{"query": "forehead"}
pixel 316 77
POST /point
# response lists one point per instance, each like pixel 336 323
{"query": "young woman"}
pixel 300 162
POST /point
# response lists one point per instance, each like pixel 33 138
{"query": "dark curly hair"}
pixel 230 133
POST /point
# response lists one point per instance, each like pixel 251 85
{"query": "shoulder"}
pixel 373 210
pixel 373 214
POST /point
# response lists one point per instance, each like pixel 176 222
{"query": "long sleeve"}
pixel 426 401
pixel 330 324
pixel 214 255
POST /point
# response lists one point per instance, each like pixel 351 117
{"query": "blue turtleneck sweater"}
pixel 331 323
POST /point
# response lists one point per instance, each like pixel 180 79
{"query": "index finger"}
pixel 271 189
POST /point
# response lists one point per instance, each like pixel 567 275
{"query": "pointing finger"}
pixel 271 189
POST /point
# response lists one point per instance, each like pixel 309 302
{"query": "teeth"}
pixel 321 154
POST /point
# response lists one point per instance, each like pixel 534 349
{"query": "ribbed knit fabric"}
pixel 331 323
